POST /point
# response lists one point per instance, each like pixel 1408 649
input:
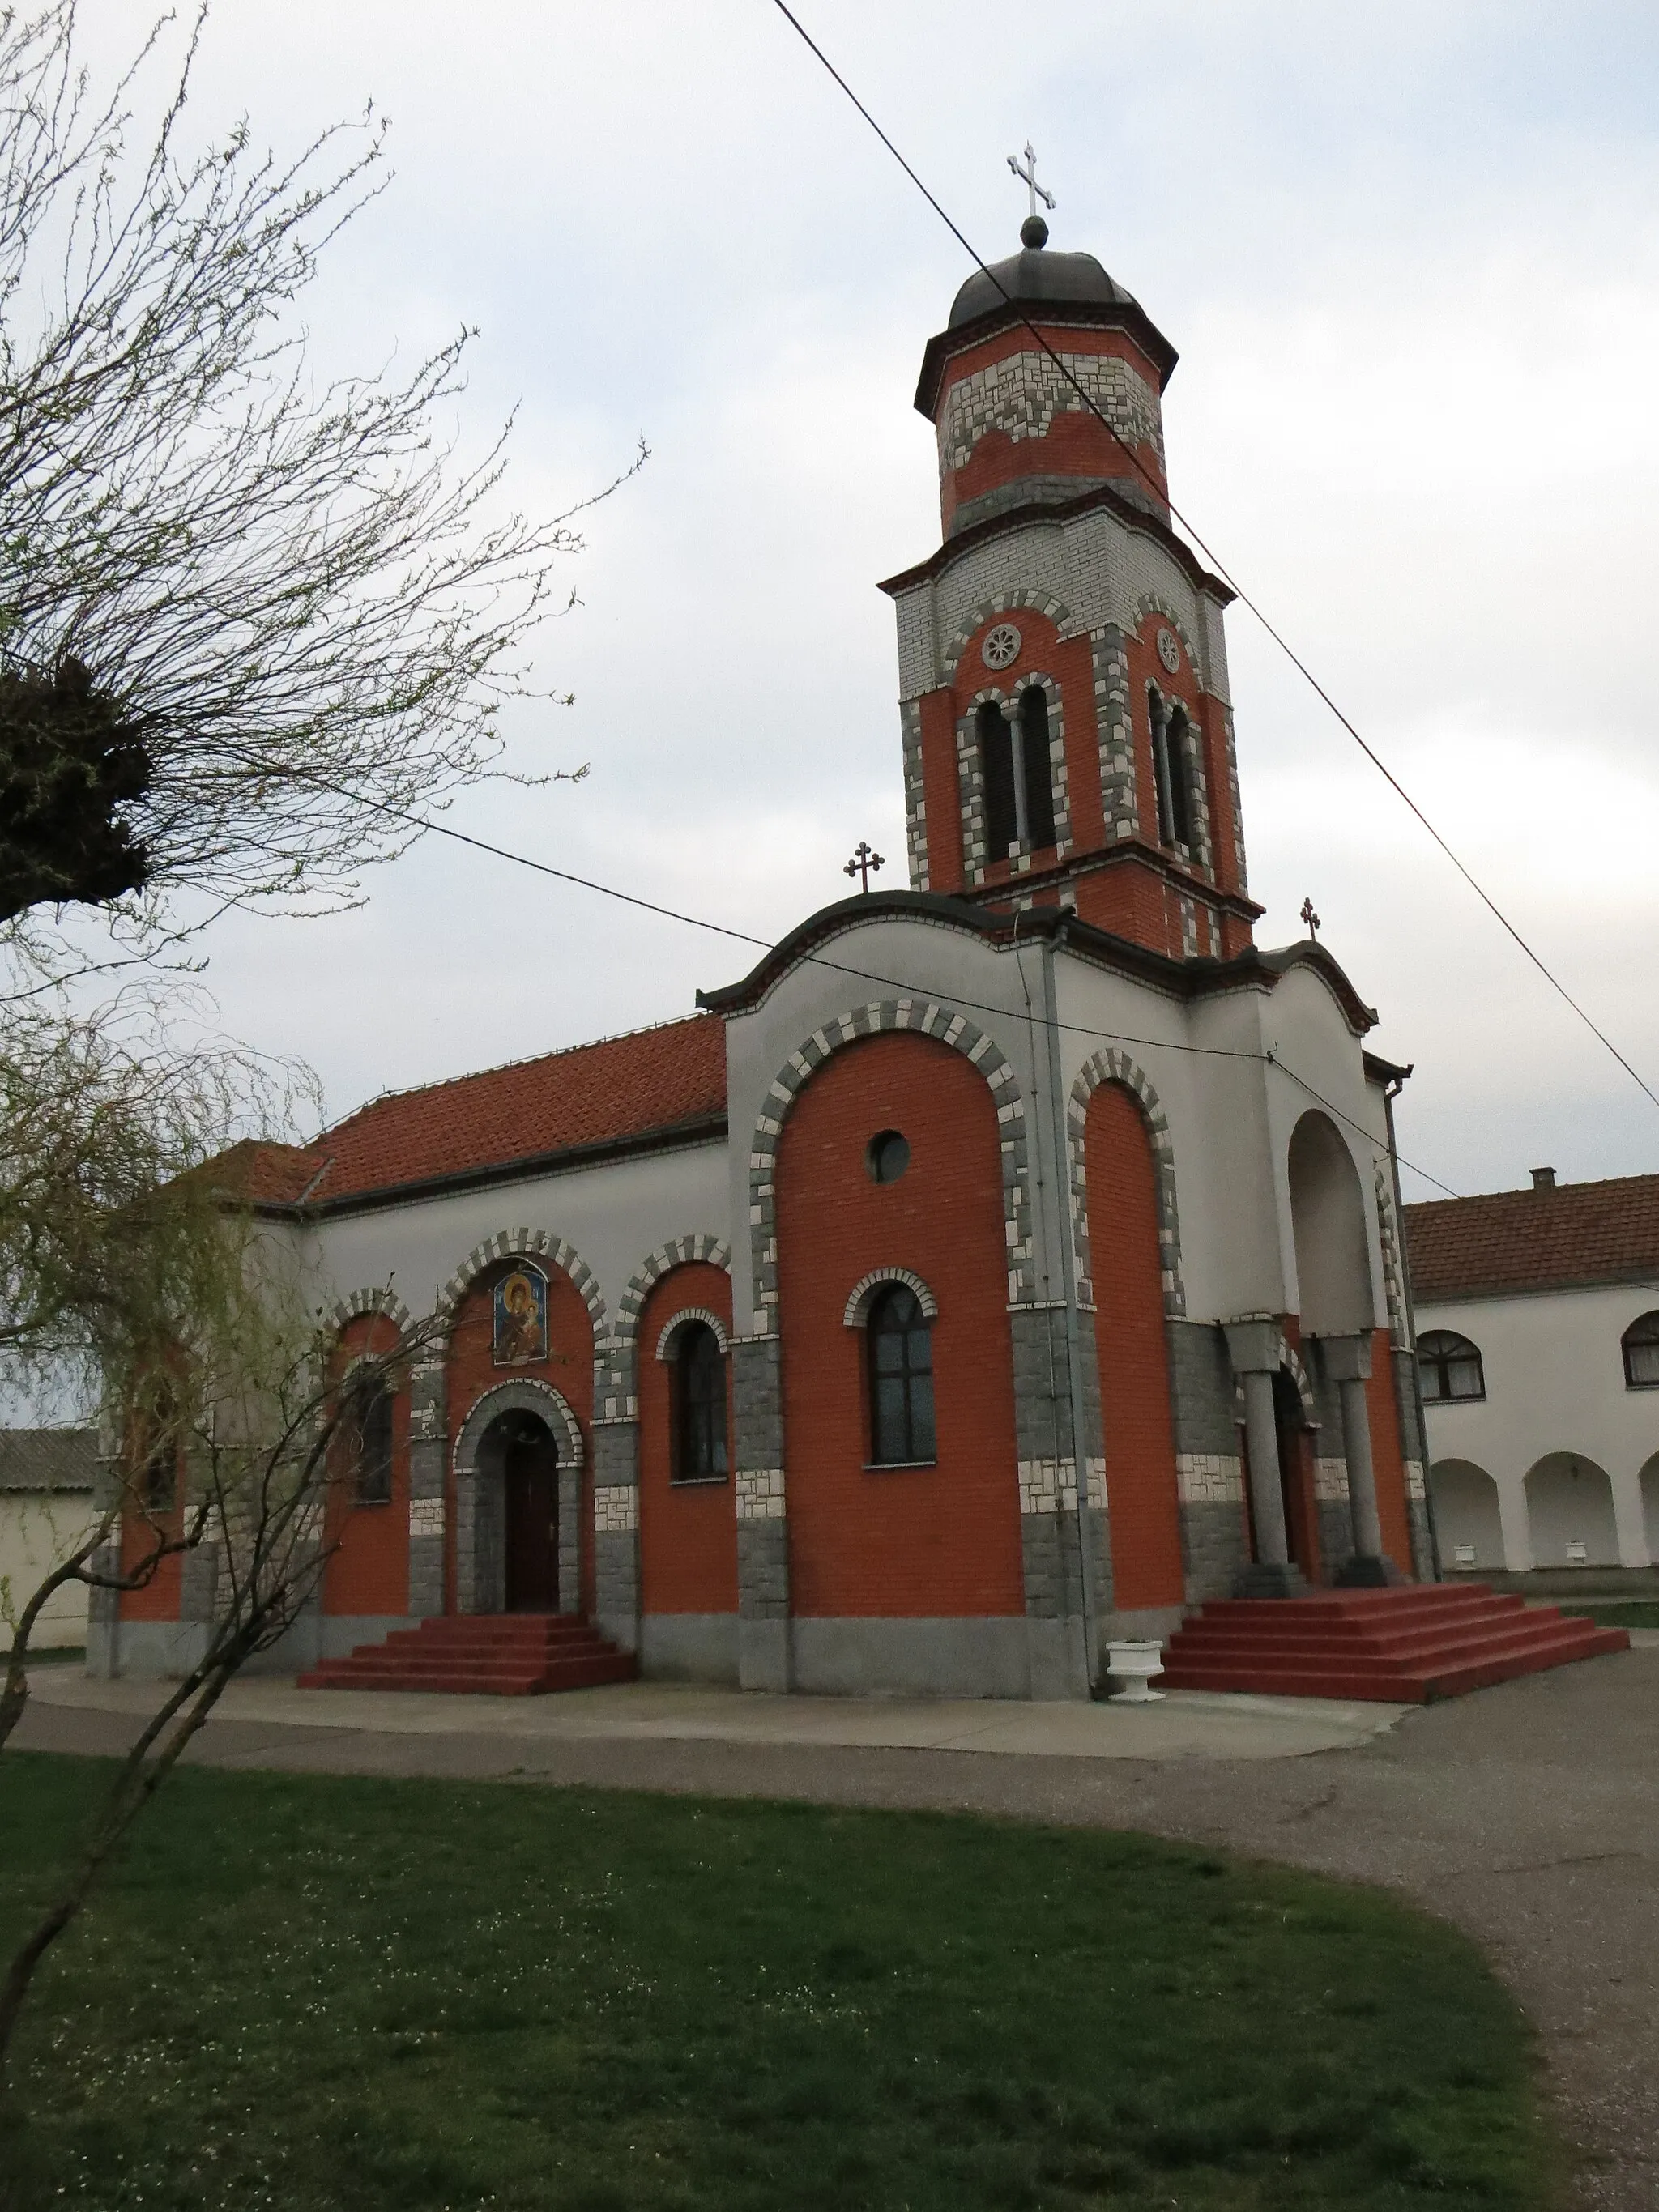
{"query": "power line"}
pixel 1162 493
pixel 840 967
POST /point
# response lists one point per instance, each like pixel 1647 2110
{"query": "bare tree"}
pixel 305 611
pixel 270 1440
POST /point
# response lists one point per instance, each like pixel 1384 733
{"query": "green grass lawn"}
pixel 1615 1612
pixel 299 1994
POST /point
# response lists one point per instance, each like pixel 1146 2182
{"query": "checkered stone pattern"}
pixel 1116 738
pixel 427 1426
pixel 617 1358
pixel 1049 1485
pixel 761 1494
pixel 1111 1066
pixel 970 782
pixel 1210 1478
pixel 383 1300
pixel 915 796
pixel 1188 913
pixel 1394 1287
pixel 615 1509
pixel 1022 394
pixel 1233 798
pixel 922 1017
pixel 1002 602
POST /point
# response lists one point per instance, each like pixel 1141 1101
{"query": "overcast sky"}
pixel 1410 257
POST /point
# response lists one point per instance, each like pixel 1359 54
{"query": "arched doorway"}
pixel 1466 1517
pixel 517 1523
pixel 521 1446
pixel 1570 1511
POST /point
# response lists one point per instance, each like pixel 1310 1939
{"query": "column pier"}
pixel 1254 1348
pixel 1348 1362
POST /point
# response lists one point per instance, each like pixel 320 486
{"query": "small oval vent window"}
pixel 887 1156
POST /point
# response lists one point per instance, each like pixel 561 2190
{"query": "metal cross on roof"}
pixel 1027 176
pixel 863 864
pixel 1311 919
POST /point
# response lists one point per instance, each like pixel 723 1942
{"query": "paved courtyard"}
pixel 1528 1813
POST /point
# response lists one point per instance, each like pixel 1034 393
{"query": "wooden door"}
pixel 1296 1474
pixel 530 1475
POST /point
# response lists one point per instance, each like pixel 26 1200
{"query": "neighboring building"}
pixel 772 1337
pixel 1537 1317
pixel 46 1482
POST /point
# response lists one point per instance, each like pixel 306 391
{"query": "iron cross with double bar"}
pixel 863 864
pixel 1028 178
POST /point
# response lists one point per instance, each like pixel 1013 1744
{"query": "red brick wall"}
pixel 368 1572
pixel 1141 1495
pixel 688 1533
pixel 159 1598
pixel 1387 1457
pixel 935 1542
pixel 941 791
pixel 568 1368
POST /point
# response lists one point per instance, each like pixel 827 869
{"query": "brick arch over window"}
pixel 526 1244
pixel 383 1300
pixel 675 1323
pixel 1003 603
pixel 1111 1066
pixel 922 1017
pixel 862 1296
pixel 618 1357
pixel 1152 603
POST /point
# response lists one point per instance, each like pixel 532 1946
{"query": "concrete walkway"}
pixel 1528 1813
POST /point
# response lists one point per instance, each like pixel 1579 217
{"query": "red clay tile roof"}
pixel 649 1081
pixel 1534 1240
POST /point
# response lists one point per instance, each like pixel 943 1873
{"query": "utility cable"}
pixel 1243 597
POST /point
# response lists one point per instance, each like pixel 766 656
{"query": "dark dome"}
pixel 1037 276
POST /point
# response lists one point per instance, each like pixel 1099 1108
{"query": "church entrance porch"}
pixel 517 1471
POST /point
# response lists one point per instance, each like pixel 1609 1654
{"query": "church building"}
pixel 1002 1265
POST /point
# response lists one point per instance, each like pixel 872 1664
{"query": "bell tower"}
pixel 1066 720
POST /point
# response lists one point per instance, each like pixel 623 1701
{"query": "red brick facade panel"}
pixel 158 1600
pixel 942 1541
pixel 1142 1498
pixel 941 791
pixel 688 1531
pixel 568 1369
pixel 368 1571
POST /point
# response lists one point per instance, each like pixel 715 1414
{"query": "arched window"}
pixel 157 1442
pixel 367 1427
pixel 901 1354
pixel 1034 760
pixel 698 1380
pixel 1170 769
pixel 1641 1344
pixel 996 772
pixel 1450 1367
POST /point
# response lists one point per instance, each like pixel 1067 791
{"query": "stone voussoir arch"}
pixel 618 1357
pixel 918 1016
pixel 526 1244
pixel 522 1393
pixel 862 1296
pixel 1154 602
pixel 383 1300
pixel 676 1321
pixel 1111 1066
pixel 1003 603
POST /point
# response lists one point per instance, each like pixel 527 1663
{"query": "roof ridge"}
pixel 1527 1190
pixel 501 1068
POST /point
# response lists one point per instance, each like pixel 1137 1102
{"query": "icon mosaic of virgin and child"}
pixel 521 1317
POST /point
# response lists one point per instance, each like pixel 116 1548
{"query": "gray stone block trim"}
pixel 1111 1066
pixel 1214 1537
pixel 617 1358
pixel 672 1328
pixel 1115 734
pixel 1394 1287
pixel 763 1569
pixel 689 1647
pixel 862 1294
pixel 989 1655
pixel 616 1455
pixel 1236 802
pixel 616 1584
pixel 1001 603
pixel 526 1244
pixel 1203 1396
pixel 923 1018
pixel 1201 853
pixel 756 1404
pixel 915 793
pixel 427 1432
pixel 1021 394
pixel 480 1518
pixel 381 1301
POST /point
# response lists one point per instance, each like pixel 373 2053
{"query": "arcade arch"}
pixel 1569 1513
pixel 1466 1519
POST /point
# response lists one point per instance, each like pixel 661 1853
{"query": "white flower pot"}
pixel 1131 1666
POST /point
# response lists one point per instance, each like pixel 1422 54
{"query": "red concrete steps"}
pixel 1407 1645
pixel 506 1655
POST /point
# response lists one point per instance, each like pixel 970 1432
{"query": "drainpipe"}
pixel 1390 1092
pixel 1086 1535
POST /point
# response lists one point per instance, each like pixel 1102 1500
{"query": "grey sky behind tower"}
pixel 1411 263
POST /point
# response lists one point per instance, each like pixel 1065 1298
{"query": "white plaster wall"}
pixel 37 1530
pixel 1555 1383
pixel 613 1214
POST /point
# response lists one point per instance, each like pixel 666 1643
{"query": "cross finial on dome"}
pixel 1033 231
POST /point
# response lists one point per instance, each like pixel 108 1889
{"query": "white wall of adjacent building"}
pixel 1558 1465
pixel 38 1528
